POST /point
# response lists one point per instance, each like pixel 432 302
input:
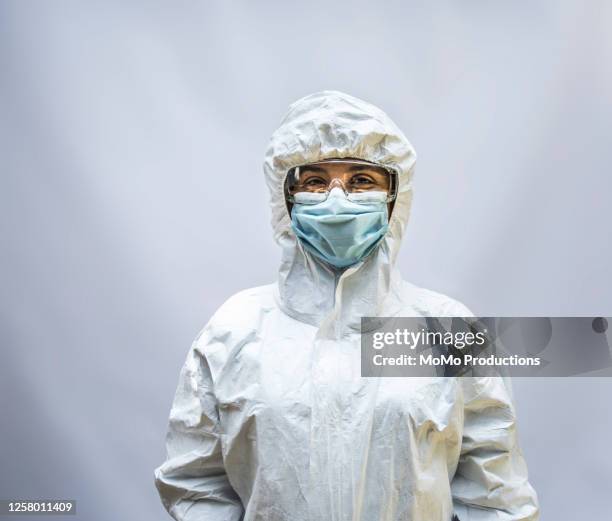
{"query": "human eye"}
pixel 314 181
pixel 362 180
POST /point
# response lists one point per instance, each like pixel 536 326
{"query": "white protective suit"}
pixel 272 421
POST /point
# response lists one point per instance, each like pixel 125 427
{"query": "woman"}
pixel 272 420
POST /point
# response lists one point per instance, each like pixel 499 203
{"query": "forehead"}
pixel 343 167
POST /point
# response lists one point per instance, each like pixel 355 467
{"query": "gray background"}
pixel 133 203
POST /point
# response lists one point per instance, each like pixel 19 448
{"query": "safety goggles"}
pixel 361 181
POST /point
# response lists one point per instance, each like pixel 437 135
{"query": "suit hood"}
pixel 324 125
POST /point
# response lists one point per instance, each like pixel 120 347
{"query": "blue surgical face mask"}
pixel 340 231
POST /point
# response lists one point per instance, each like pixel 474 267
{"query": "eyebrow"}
pixel 312 168
pixel 374 168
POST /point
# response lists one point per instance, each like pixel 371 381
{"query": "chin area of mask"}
pixel 340 231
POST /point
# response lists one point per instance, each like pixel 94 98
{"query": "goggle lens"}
pixel 356 177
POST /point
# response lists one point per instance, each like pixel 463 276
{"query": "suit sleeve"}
pixel 491 482
pixel 192 483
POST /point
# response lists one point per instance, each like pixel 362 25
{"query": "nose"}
pixel 336 188
pixel 337 191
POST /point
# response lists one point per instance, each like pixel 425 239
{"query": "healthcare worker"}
pixel 272 421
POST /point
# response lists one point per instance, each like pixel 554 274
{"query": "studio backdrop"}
pixel 133 204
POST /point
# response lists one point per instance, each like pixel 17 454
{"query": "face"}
pixel 357 178
pixel 319 176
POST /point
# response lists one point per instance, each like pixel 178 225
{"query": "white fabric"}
pixel 272 420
